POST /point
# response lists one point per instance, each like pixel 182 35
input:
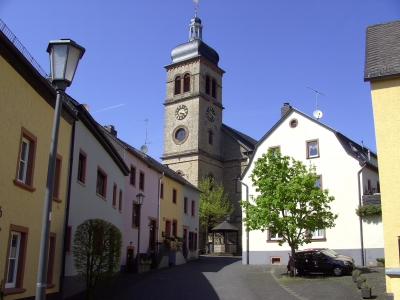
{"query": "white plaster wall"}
pixel 85 203
pixel 149 209
pixel 187 219
pixel 339 175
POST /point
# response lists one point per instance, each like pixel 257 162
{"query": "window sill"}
pixel 10 291
pixel 50 285
pixel 81 183
pixel 313 157
pixel 134 227
pixel 274 241
pixel 318 240
pixel 24 186
pixel 132 185
pixel 57 200
pixel 101 196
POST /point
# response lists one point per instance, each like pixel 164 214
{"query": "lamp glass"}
pixel 58 59
pixel 140 198
pixel 72 62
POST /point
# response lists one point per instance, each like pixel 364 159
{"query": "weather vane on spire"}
pixel 196 7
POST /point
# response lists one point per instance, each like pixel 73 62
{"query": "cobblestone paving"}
pixel 226 278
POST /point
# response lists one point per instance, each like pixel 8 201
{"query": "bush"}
pixel 97 252
pixel 381 260
pixel 366 286
pixel 356 272
pixel 368 210
pixel 361 278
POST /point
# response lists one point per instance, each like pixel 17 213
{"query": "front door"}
pixel 129 260
pixel 152 235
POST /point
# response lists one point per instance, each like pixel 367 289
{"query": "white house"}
pixel 346 168
pixel 190 218
pixel 97 178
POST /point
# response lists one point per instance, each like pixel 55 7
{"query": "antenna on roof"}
pixel 317 113
pixel 196 8
pixel 144 148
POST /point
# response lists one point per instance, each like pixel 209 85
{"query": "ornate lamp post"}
pixel 140 200
pixel 64 57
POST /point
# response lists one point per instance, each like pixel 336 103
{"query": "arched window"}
pixel 207 84
pixel 186 83
pixel 214 88
pixel 177 85
pixel 210 137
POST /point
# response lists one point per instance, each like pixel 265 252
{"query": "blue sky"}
pixel 271 51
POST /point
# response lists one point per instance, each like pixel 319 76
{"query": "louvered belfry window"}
pixel 186 83
pixel 177 85
pixel 208 85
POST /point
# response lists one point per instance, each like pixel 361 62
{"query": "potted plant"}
pixel 355 274
pixel 381 262
pixel 366 290
pixel 360 280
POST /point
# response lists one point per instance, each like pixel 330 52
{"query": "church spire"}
pixel 195 27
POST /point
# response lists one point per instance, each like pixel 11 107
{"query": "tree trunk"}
pixel 206 242
pixel 292 262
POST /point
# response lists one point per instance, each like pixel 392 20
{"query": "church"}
pixel 197 143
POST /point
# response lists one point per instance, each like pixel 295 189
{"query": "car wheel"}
pixel 337 271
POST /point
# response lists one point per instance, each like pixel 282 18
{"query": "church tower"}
pixel 193 109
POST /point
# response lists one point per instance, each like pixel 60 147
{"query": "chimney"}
pixel 110 129
pixel 286 107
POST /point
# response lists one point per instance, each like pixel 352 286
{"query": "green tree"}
pixel 288 201
pixel 97 252
pixel 214 205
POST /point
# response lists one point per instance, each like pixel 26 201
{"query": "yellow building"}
pixel 382 70
pixel 26 116
pixel 170 208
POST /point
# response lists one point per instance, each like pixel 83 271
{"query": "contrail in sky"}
pixel 108 108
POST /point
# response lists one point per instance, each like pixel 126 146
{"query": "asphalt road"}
pixel 213 278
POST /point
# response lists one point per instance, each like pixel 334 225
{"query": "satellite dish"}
pixel 86 107
pixel 317 114
pixel 144 149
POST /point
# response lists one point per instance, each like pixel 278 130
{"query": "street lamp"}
pixel 140 200
pixel 64 57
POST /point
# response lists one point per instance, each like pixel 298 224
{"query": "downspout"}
pixel 360 218
pixel 158 209
pixel 66 212
pixel 247 233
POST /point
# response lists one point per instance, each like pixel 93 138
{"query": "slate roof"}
pixel 382 50
pixel 193 49
pixel 247 142
pixel 352 148
pixel 225 226
pixel 121 147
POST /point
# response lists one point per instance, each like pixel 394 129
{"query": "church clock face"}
pixel 210 114
pixel 181 112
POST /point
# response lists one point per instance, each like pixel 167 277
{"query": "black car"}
pixel 321 262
